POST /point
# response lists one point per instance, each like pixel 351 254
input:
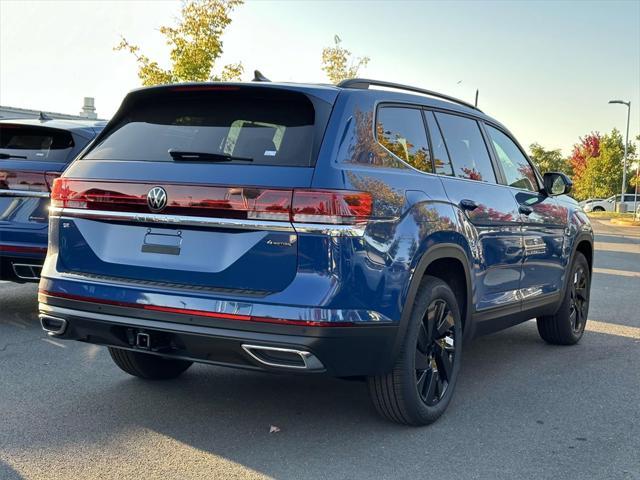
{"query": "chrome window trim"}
pixel 23 193
pixel 233 223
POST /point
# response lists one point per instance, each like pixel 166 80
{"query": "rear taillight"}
pixel 49 177
pixel 334 206
pixel 306 206
pixel 22 180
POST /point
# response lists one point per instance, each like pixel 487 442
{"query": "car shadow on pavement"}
pixel 229 413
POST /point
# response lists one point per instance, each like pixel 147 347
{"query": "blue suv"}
pixel 33 152
pixel 346 230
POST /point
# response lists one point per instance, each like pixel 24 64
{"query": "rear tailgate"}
pixel 31 156
pixel 132 210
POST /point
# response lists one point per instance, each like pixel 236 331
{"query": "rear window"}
pixel 26 142
pixel 257 128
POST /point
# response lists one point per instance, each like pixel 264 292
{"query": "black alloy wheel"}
pixel 435 352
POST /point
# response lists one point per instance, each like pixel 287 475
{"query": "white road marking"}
pixel 53 342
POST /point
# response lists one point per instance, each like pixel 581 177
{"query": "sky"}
pixel 545 69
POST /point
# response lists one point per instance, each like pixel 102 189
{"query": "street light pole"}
pixel 626 142
pixel 636 212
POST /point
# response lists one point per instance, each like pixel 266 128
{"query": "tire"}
pixel 597 209
pixel 147 366
pixel 419 388
pixel 567 326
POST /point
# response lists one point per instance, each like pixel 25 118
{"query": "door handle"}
pixel 467 204
pixel 525 210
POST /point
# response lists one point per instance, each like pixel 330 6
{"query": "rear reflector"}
pixel 254 203
pixel 42 294
pixel 20 249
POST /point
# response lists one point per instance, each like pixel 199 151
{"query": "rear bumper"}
pixel 336 351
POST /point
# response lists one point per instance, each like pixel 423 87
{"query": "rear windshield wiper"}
pixel 205 156
pixel 5 156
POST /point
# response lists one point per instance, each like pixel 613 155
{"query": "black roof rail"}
pixel 365 83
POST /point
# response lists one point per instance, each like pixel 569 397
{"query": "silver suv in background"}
pixel 608 205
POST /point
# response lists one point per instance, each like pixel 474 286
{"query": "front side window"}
pixel 518 171
pixel 466 146
pixel 401 131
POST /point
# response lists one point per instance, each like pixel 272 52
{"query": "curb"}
pixel 625 223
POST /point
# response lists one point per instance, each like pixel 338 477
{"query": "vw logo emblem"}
pixel 157 199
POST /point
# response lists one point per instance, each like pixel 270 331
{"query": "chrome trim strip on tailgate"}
pixel 234 223
pixel 23 193
pixel 177 220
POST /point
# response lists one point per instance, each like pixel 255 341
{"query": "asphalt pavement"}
pixel 522 408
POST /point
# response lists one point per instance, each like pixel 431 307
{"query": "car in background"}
pixel 33 152
pixel 609 204
pixel 588 201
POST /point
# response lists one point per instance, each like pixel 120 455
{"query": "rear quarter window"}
pixel 263 128
pixel 401 131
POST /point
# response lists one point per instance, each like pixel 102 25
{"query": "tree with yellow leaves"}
pixel 196 45
pixel 338 64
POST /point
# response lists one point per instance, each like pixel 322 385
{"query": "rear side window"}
pixel 518 171
pixel 254 128
pixel 26 142
pixel 440 154
pixel 401 131
pixel 466 146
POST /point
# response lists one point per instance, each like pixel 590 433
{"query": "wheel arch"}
pixel 583 244
pixel 434 261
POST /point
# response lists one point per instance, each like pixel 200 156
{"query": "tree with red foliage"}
pixel 588 147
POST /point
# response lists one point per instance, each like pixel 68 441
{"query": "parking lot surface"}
pixel 522 409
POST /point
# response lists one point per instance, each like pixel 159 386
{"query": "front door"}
pixel 543 218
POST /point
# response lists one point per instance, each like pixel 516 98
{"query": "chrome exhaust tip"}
pixel 283 357
pixel 52 325
pixel 27 271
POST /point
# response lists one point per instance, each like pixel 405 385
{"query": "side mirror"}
pixel 557 183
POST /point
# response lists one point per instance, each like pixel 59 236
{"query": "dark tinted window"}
pixel 466 146
pixel 401 131
pixel 268 128
pixel 518 171
pixel 35 143
pixel 440 155
pixel 630 198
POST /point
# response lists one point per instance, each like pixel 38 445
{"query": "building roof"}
pixel 7 111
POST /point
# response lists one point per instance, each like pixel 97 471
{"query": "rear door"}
pixel 191 186
pixel 470 183
pixel 543 218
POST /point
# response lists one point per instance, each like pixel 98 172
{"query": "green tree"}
pixel 196 45
pixel 634 181
pixel 338 63
pixel 549 160
pixel 602 173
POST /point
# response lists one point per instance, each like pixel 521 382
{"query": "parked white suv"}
pixel 608 205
